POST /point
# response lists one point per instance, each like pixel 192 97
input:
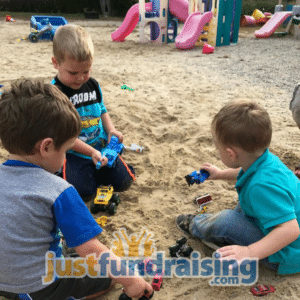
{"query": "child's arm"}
pixel 110 128
pixel 216 173
pixel 281 236
pixel 85 149
pixel 134 286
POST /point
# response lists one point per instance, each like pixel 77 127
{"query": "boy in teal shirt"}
pixel 265 223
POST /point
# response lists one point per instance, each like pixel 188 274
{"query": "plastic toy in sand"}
pixel 111 151
pixel 208 49
pixel 101 221
pixel 157 280
pixel 44 27
pixel 247 21
pixel 105 200
pixel 202 201
pixel 35 35
pixel 8 18
pixel 262 290
pixel 180 249
pixel 197 177
pixel 135 148
pixel 125 87
pixel 257 18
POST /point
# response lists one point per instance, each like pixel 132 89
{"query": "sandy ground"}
pixel 176 93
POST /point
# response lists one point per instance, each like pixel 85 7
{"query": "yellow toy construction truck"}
pixel 105 200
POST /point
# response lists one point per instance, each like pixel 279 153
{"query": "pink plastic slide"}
pixel 192 29
pixel 129 23
pixel 179 8
pixel 270 27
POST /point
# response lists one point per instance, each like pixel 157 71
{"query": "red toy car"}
pixel 203 199
pixel 157 282
pixel 262 290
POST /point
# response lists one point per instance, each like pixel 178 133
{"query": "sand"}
pixel 176 94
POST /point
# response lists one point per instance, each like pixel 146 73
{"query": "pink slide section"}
pixel 270 27
pixel 192 29
pixel 179 8
pixel 129 23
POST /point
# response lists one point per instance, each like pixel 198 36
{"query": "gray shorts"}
pixel 65 288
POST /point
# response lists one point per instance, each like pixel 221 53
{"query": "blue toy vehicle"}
pixel 111 151
pixel 197 177
pixel 44 27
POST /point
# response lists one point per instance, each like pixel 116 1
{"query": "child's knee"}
pixel 125 181
pixel 124 176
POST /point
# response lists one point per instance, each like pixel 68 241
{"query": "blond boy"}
pixel 73 54
pixel 265 223
pixel 38 125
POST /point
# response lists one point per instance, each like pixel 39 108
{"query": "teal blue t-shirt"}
pixel 269 195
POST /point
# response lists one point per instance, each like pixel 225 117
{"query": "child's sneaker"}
pixel 183 222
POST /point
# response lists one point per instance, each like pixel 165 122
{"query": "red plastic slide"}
pixel 129 23
pixel 192 29
pixel 270 27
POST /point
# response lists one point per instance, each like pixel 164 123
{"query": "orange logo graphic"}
pixel 133 245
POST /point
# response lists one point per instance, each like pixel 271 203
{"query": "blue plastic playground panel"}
pixel 155 6
pixel 39 22
pixel 172 29
pixel 236 21
pixel 154 31
pixel 228 22
pixel 207 5
pixel 288 7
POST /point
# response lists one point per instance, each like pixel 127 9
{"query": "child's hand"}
pixel 235 252
pixel 214 172
pixel 137 288
pixel 117 133
pixel 97 157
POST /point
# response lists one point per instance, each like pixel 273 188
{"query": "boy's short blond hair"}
pixel 72 41
pixel 243 124
pixel 32 111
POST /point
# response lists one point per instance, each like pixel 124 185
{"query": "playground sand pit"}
pixel 176 94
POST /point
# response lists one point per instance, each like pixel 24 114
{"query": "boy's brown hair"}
pixel 74 42
pixel 243 124
pixel 32 111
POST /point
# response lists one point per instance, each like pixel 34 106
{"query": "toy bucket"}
pixel 257 14
pixel 207 49
pixel 247 21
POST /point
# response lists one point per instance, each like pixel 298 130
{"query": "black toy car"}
pixel 180 249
